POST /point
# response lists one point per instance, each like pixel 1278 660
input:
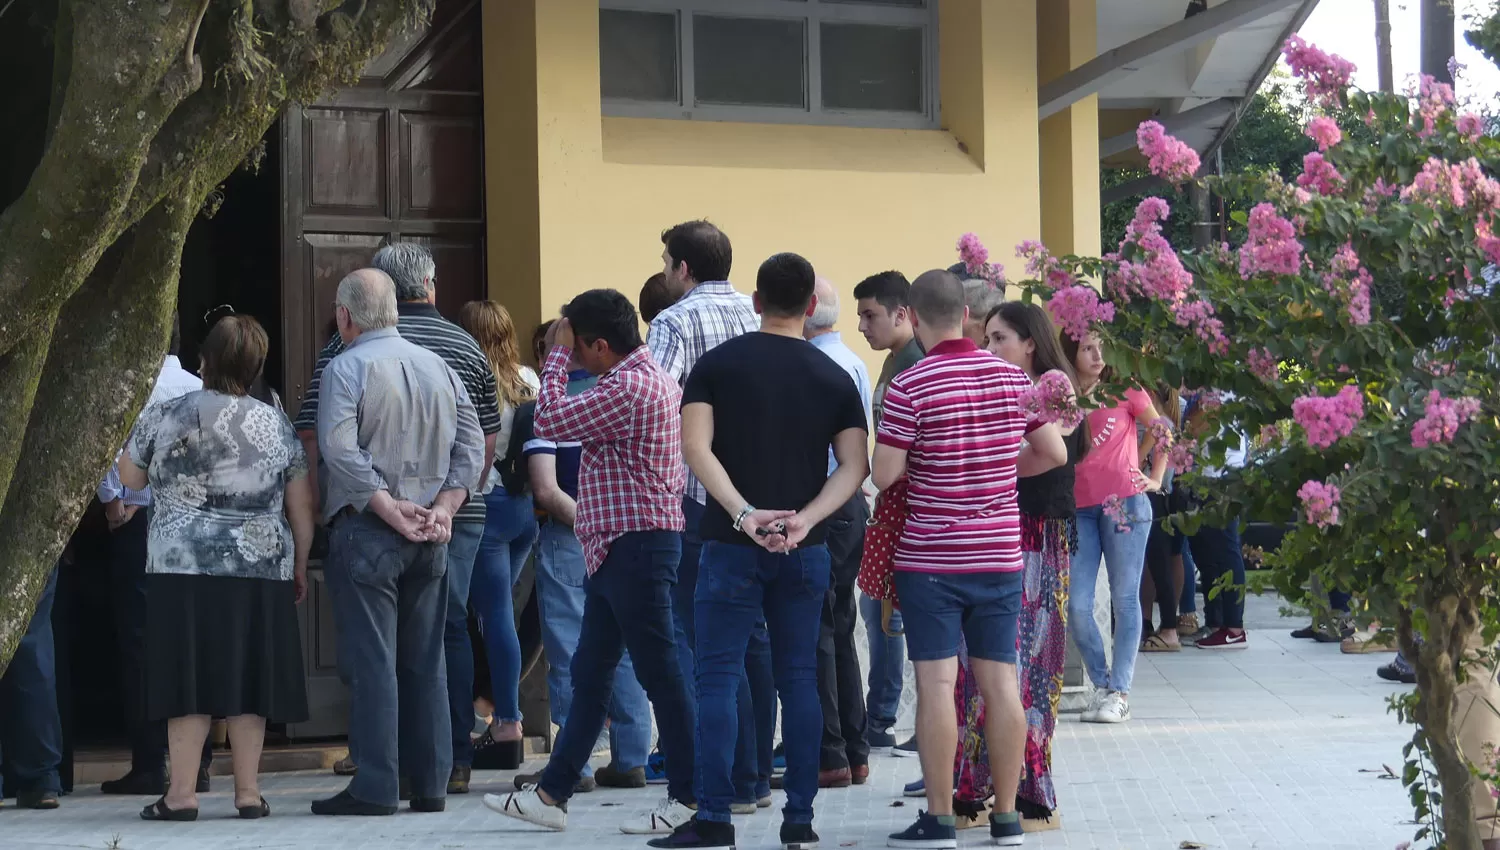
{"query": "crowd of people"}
pixel 699 502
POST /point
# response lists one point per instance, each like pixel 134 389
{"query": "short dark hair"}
pixel 937 297
pixel 785 285
pixel 889 289
pixel 608 315
pixel 539 341
pixel 702 246
pixel 233 354
pixel 656 296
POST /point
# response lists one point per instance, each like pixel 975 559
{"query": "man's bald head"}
pixel 826 314
pixel 937 299
pixel 369 296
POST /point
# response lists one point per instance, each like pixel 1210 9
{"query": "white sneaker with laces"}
pixel 662 820
pixel 1116 709
pixel 1096 702
pixel 528 806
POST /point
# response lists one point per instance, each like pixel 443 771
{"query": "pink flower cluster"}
pixel 1271 246
pixel 1042 266
pixel 1320 503
pixel 1263 365
pixel 1325 131
pixel 1441 419
pixel 1489 243
pixel 1458 183
pixel 1327 420
pixel 1183 456
pixel 1052 399
pixel 1161 431
pixel 1171 159
pixel 1319 175
pixel 1434 99
pixel 1350 282
pixel 1076 308
pixel 1114 508
pixel 1270 435
pixel 1159 274
pixel 1470 126
pixel 1324 76
pixel 976 259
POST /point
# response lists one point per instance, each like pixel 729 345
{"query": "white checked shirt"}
pixel 172 381
pixel 710 314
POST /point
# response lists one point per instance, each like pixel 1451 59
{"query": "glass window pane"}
pixel 750 61
pixel 910 4
pixel 867 66
pixel 638 55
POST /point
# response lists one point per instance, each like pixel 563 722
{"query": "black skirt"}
pixel 223 647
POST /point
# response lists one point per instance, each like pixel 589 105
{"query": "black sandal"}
pixel 159 811
pixel 255 812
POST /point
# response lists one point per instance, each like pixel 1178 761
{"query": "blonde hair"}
pixel 490 325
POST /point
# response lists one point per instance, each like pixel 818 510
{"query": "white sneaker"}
pixel 528 806
pixel 1116 709
pixel 662 820
pixel 1096 702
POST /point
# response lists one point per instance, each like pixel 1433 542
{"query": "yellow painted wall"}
pixel 1066 39
pixel 853 201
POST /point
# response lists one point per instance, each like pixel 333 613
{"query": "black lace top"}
pixel 1050 495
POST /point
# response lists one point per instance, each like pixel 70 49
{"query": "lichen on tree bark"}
pixel 152 106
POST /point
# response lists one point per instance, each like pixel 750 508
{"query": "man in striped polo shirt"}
pixel 954 426
pixel 418 321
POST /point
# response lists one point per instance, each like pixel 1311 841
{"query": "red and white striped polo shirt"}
pixel 958 415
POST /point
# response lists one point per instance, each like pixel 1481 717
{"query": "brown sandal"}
pixel 1154 643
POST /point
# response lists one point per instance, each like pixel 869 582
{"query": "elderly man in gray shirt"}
pixel 403 450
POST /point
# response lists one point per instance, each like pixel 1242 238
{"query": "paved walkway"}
pixel 1280 746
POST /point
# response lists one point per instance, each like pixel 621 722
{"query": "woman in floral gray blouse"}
pixel 230 529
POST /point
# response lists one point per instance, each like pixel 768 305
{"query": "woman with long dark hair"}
pixel 1114 522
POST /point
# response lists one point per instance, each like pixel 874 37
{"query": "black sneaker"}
pixel 928 833
pixel 1398 671
pixel 798 836
pixel 1306 632
pixel 136 784
pixel 1005 830
pixel 881 741
pixel 697 833
pixel 906 749
pixel 584 785
pixel 610 776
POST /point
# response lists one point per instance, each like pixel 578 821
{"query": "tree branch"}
pixel 104 358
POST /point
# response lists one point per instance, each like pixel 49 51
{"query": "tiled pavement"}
pixel 1280 746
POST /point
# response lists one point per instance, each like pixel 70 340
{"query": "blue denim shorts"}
pixel 937 607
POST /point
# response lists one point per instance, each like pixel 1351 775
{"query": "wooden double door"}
pixel 397 156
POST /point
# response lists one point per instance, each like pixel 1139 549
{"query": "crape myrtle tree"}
pixel 1351 331
pixel 130 113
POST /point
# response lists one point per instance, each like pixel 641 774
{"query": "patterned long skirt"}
pixel 1041 645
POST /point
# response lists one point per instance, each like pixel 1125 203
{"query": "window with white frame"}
pixel 866 63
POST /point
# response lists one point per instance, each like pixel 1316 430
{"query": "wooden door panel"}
pixel 438 153
pixel 346 157
pixel 460 265
pixel 331 256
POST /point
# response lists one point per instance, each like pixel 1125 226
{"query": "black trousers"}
pixel 1160 547
pixel 148 740
pixel 840 686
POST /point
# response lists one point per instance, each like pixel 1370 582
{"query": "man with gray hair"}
pixel 845 755
pixel 980 296
pixel 413 273
pixel 404 451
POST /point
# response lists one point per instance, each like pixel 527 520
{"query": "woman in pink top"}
pixel 1114 521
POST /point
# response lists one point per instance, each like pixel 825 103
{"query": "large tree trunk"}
pixel 1383 60
pixel 152 106
pixel 1439 28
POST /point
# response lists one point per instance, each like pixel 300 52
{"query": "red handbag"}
pixel 877 564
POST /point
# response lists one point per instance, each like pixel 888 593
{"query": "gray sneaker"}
pixel 1091 711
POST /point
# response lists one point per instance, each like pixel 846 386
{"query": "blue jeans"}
pixel 31 738
pixel 457 651
pixel 628 606
pixel 738 587
pixel 757 696
pixel 887 665
pixel 390 600
pixel 1124 554
pixel 509 533
pixel 1219 553
pixel 560 578
pixel 1189 580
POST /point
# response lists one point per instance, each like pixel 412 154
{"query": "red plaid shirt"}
pixel 631 476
